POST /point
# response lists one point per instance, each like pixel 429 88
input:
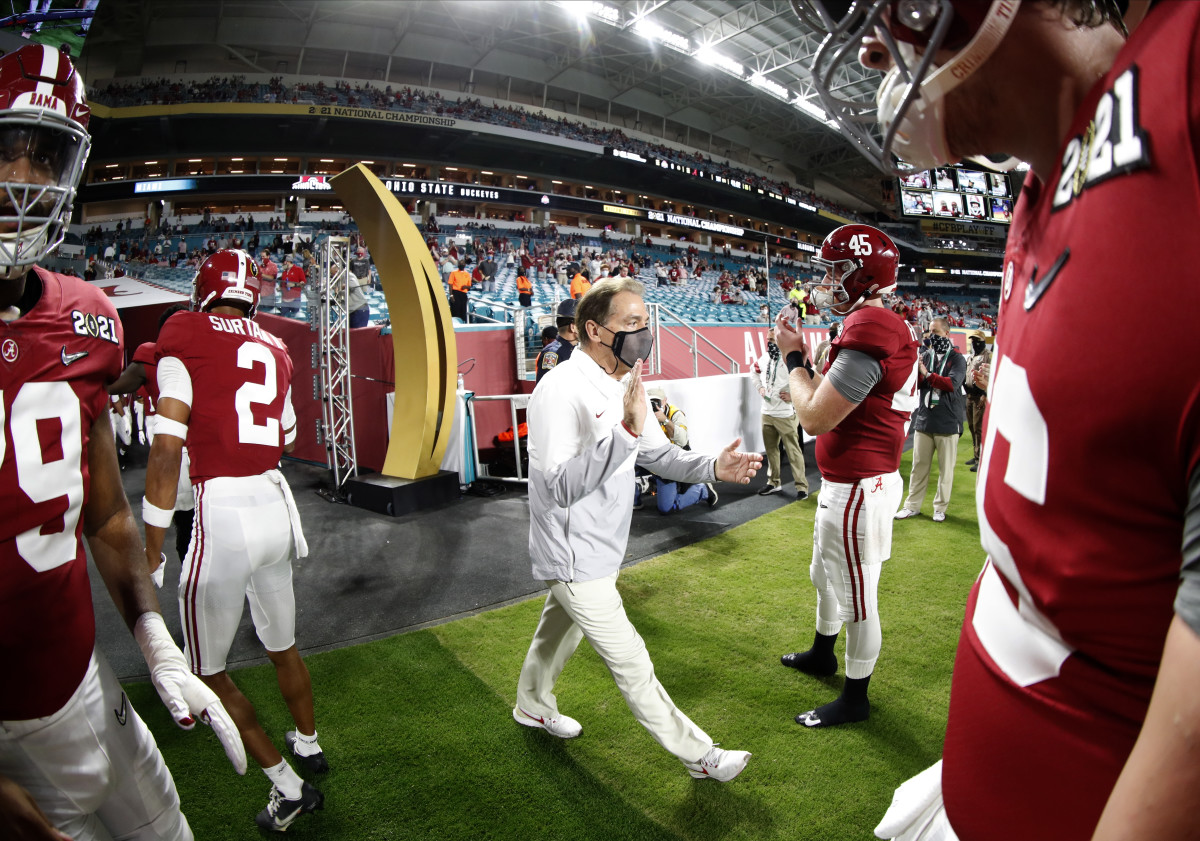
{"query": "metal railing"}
pixel 693 342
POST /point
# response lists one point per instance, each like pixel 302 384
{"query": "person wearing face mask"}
pixel 780 425
pixel 978 368
pixel 937 423
pixel 587 429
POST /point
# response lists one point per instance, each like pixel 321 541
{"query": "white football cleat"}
pixel 719 765
pixel 562 726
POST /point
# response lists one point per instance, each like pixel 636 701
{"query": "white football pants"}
pixel 94 768
pixel 852 537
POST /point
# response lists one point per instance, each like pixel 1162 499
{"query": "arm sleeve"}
pixel 288 419
pixel 1187 601
pixel 668 461
pixel 953 382
pixel 854 374
pixel 174 381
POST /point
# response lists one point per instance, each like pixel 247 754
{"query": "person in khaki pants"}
pixel 937 423
pixel 780 424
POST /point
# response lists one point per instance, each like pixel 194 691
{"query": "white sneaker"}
pixel 904 514
pixel 719 765
pixel 939 516
pixel 562 726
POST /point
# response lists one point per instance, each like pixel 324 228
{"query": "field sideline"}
pixel 419 732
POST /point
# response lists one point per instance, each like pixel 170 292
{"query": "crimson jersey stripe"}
pixel 190 625
pixel 856 572
pixel 846 549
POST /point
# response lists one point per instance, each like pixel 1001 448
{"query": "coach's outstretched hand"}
pixel 737 467
pixel 185 695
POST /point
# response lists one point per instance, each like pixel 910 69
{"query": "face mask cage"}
pixel 858 119
pixel 906 113
pixel 50 152
pixel 830 292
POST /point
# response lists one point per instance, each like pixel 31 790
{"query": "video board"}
pixel 957 193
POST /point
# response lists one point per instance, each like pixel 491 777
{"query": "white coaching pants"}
pixel 594 609
pixel 852 537
pixel 94 768
pixel 245 532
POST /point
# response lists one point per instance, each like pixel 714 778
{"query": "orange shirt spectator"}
pixel 580 285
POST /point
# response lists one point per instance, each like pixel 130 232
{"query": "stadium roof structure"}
pixel 730 77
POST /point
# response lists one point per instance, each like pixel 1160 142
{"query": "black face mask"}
pixel 772 349
pixel 940 344
pixel 978 346
pixel 630 345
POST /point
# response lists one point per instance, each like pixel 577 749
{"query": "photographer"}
pixel 674 496
pixel 979 366
pixel 937 422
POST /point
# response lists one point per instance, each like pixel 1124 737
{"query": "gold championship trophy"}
pixel 426 357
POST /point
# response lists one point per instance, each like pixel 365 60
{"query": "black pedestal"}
pixel 389 495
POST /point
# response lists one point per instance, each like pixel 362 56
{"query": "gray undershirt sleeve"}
pixel 854 374
pixel 1187 601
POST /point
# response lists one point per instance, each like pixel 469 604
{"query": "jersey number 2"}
pixel 45 481
pixel 250 393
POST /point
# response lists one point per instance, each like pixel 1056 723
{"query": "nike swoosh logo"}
pixel 123 713
pixel 68 358
pixel 598 414
pixel 1036 287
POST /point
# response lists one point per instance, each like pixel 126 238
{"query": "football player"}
pixel 75 759
pixel 858 407
pixel 1073 708
pixel 225 388
pixel 141 376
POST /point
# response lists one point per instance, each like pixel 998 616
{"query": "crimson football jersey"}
pixel 869 440
pixel 1083 486
pixel 147 355
pixel 240 377
pixel 54 363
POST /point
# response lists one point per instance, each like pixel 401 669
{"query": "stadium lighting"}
pixel 814 111
pixel 652 31
pixel 763 83
pixel 583 9
pixel 714 59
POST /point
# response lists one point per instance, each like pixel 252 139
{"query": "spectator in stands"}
pixel 780 423
pixel 580 284
pixel 938 421
pixel 460 283
pixel 487 268
pixel 566 337
pixel 292 279
pixel 268 271
pixel 524 289
pixel 661 274
pixel 674 496
pixel 979 368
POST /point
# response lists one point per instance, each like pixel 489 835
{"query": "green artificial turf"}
pixel 419 732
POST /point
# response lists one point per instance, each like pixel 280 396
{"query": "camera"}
pixel 656 404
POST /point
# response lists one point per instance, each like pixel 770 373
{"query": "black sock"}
pixel 852 705
pixel 818 660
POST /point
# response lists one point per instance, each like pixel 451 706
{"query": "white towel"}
pixel 293 513
pixel 917 813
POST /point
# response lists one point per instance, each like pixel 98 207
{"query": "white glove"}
pixel 185 695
